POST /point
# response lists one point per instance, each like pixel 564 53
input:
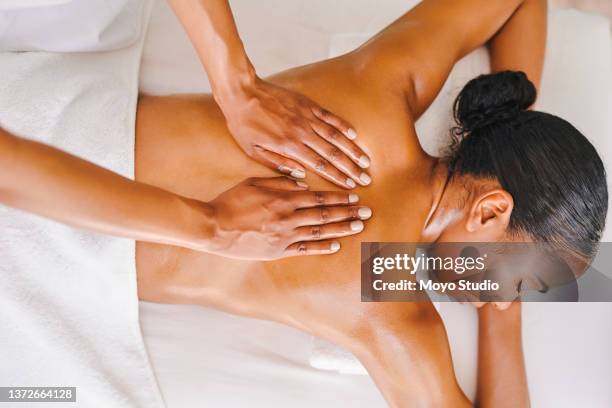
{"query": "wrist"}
pixel 498 320
pixel 236 86
pixel 198 225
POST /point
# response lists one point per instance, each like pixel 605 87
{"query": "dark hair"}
pixel 554 174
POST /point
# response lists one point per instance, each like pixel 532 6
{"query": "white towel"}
pixel 329 357
pixel 68 298
pixel 70 25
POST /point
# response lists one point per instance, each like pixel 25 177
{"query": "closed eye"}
pixel 543 286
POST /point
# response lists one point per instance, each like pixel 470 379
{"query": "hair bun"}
pixel 493 98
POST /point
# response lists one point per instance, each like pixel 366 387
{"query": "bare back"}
pixel 180 143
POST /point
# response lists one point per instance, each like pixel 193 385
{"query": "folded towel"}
pixel 68 298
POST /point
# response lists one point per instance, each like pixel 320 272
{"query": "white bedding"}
pixel 203 357
pixel 68 298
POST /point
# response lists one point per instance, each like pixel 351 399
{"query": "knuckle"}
pixel 295 122
pixel 283 222
pixel 315 232
pixel 302 248
pixel 319 197
pixel 324 216
pixel 353 212
pixel 320 164
pixel 306 108
pixel 329 134
pixel 276 205
pixel 334 154
pixel 255 103
pixel 275 241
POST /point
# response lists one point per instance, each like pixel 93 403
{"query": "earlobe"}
pixel 491 210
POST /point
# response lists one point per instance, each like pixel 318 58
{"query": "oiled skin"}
pixel 179 139
pixel 183 146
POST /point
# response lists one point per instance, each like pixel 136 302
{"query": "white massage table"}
pixel 204 357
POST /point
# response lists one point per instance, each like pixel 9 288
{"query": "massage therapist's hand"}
pixel 271 218
pixel 288 132
pixel 282 129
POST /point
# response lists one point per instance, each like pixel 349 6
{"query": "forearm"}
pixel 212 30
pixel 521 43
pixel 54 184
pixel 502 379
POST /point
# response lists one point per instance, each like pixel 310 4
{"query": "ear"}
pixel 490 212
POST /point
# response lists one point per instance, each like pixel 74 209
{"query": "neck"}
pixel 435 221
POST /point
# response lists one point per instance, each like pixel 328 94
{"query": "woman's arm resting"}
pixel 279 128
pixel 416 53
pixel 521 43
pixel 502 379
pixel 502 382
pixel 257 219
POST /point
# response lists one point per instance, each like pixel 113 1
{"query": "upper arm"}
pixel 520 45
pixel 416 53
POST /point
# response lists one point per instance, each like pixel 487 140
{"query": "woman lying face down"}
pixel 513 175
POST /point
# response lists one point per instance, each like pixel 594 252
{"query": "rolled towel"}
pixel 327 356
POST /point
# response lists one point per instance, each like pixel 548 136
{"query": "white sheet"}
pixel 68 298
pixel 205 357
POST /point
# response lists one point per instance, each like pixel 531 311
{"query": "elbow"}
pixel 9 147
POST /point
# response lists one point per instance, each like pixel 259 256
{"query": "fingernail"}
pixel 353 198
pixel 364 213
pixel 301 184
pixel 356 225
pixel 350 183
pixel 365 179
pixel 298 173
pixel 334 247
pixel 364 162
pixel 351 134
pixel 284 169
